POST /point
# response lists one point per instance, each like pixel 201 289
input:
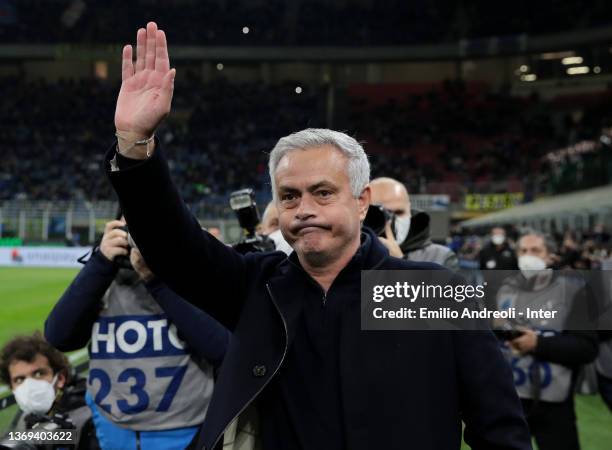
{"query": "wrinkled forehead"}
pixel 532 242
pixel 301 168
pixel 20 367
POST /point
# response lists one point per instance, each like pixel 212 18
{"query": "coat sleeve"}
pixel 490 406
pixel 570 348
pixel 194 264
pixel 207 337
pixel 578 344
pixel 68 326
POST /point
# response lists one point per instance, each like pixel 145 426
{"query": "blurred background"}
pixel 491 113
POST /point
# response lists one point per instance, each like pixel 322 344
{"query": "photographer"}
pixel 146 386
pixel 46 393
pixel 270 227
pixel 544 355
pixel 408 236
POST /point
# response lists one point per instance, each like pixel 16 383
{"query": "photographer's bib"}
pixel 141 374
pixel 534 378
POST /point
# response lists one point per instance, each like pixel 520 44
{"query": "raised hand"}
pixel 146 89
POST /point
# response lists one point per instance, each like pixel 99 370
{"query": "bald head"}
pixel 269 221
pixel 391 194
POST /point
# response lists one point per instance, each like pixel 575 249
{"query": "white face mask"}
pixel 402 227
pixel 498 239
pixel 280 242
pixel 531 265
pixel 35 396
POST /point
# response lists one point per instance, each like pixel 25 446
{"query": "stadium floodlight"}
pixel 245 30
pixel 570 60
pixel 524 68
pixel 596 69
pixel 529 77
pixel 578 70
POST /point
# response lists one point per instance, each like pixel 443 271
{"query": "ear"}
pixel 61 381
pixel 364 202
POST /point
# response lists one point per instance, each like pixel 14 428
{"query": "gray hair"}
pixel 358 167
pixel 549 242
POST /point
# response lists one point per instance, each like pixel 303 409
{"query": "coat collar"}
pixel 286 286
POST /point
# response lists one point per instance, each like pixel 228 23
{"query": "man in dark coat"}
pixel 298 353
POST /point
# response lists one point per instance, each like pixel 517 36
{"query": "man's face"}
pixel 269 221
pixel 318 215
pixel 393 196
pixel 498 232
pixel 534 246
pixel 38 369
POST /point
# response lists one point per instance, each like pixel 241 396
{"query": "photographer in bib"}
pixel 546 357
pixel 151 370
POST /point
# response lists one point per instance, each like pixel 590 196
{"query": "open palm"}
pixel 146 89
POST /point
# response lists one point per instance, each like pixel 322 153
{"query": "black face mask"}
pixel 127 277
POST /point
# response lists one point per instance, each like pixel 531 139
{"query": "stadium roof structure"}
pixel 572 204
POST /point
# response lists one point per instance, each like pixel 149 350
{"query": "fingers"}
pixel 162 61
pixel 168 83
pixel 127 67
pixel 117 233
pixel 388 231
pixel 113 252
pixel 150 52
pixel 118 241
pixel 141 44
pixel 112 225
pixel 110 248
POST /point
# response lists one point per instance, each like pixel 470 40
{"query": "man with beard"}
pixel 298 355
pixel 151 371
pixel 410 239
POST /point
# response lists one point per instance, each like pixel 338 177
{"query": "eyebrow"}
pixel 38 369
pixel 322 184
pixel 311 188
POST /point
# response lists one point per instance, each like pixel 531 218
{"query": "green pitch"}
pixel 28 294
pixel 26 297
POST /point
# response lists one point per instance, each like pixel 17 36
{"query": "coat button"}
pixel 259 371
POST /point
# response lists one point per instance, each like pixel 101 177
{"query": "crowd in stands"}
pixel 53 136
pixel 461 138
pixel 299 22
pixel 452 139
pixel 574 249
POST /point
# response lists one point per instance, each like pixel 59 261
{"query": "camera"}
pixel 244 206
pixel 507 331
pixel 377 217
pixel 123 261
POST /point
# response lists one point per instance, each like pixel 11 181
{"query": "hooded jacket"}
pixel 418 246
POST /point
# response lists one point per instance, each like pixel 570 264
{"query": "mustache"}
pixel 300 226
